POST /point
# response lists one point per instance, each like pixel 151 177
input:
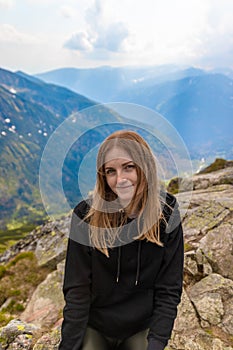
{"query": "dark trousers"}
pixel 94 340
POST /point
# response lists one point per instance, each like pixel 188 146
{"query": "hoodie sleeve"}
pixel 168 285
pixel 76 289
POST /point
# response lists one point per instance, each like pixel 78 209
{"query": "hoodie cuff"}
pixel 154 344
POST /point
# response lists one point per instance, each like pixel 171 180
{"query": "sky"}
pixel 42 35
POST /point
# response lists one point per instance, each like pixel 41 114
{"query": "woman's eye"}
pixel 109 171
pixel 129 167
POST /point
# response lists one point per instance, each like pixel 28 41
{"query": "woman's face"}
pixel 121 174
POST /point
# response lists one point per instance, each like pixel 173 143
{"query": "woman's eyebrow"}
pixel 130 161
pixel 123 164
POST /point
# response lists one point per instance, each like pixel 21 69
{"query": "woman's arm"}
pixel 76 290
pixel 168 287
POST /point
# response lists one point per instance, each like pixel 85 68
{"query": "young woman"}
pixel 124 264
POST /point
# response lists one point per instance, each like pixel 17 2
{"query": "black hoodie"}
pixel 138 287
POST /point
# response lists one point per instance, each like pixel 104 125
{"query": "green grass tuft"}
pixel 18 280
pixel 218 164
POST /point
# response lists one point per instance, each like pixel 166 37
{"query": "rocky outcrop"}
pixel 205 317
pixel 44 308
pixel 202 181
pixel 17 335
pixel 205 314
pixel 49 341
pixel 47 241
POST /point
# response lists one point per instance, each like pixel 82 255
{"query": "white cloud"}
pixel 101 33
pixel 41 2
pixel 189 32
pixel 216 37
pixel 67 11
pixel 6 4
pixel 79 41
pixel 9 34
pixel 122 32
pixel 112 39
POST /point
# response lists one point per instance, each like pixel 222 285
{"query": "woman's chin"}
pixel 125 200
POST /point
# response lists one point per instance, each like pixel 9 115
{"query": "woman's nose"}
pixel 120 178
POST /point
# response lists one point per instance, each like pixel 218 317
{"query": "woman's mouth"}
pixel 123 187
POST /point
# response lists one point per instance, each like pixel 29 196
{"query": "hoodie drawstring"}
pixel 118 264
pixel 138 263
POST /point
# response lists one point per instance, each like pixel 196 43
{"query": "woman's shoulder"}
pixel 168 200
pixel 169 204
pixel 82 208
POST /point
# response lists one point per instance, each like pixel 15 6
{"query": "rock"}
pixel 217 247
pixel 220 194
pixel 210 297
pixel 190 263
pixel 209 308
pixel 22 341
pixel 197 341
pixel 25 244
pixel 48 241
pixel 186 316
pixel 203 263
pixel 203 218
pixel 47 302
pixel 219 177
pixel 51 248
pixel 49 341
pixel 227 322
pixel 218 164
pixel 213 283
pixel 17 335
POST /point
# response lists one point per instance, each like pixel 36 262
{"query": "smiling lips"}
pixel 123 187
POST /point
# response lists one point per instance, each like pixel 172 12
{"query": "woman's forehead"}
pixel 117 152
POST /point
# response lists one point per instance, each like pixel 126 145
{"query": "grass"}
pixel 187 247
pixel 11 236
pixel 173 185
pixel 218 164
pixel 18 280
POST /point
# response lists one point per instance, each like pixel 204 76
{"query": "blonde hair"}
pixel 105 216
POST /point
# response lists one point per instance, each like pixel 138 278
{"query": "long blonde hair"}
pixel 105 217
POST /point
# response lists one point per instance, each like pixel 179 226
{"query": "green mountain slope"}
pixel 29 113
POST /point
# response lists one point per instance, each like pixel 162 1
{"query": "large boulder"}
pixel 208 261
pixel 217 247
pixel 211 296
pixel 207 210
pixel 47 302
pixel 51 247
pixel 186 317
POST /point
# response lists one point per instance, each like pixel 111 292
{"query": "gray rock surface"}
pixel 17 335
pixel 45 305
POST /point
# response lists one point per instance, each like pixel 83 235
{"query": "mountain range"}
pixel 198 103
pixel 30 111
